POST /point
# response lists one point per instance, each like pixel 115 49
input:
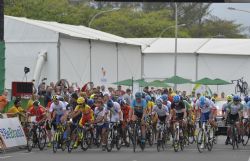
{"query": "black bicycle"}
pixel 241 86
pixel 136 137
pixel 36 136
pixel 114 137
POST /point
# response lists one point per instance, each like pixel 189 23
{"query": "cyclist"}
pixel 101 121
pixel 248 107
pixel 178 112
pixel 233 114
pixel 162 113
pixel 87 114
pixel 229 100
pixel 139 106
pixel 125 113
pixel 166 102
pixel 38 111
pixel 150 104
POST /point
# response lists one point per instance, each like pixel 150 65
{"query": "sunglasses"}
pixel 80 104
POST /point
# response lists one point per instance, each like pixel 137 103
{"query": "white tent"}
pixel 76 53
pixel 227 59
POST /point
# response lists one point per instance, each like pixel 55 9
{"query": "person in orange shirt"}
pixel 3 100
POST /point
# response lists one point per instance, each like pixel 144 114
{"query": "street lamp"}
pixel 175 51
pixel 90 22
pixel 235 9
pixel 180 25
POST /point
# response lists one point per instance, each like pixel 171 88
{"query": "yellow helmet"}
pixel 80 100
pixel 92 96
pixel 54 98
pixel 229 97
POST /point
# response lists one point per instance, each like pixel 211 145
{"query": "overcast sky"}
pixel 220 10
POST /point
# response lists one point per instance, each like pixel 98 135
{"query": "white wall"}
pixel 19 55
pixel 75 60
pixel 129 62
pixel 227 67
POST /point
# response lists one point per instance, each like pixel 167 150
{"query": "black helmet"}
pixel 36 103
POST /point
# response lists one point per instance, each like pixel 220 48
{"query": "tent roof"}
pixel 76 31
pixel 195 45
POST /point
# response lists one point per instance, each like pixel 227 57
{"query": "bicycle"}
pixel 114 137
pixel 149 130
pixel 59 138
pixel 36 136
pixel 234 134
pixel 178 140
pixel 204 137
pixel 161 138
pixel 137 135
pixel 241 86
pixel 246 131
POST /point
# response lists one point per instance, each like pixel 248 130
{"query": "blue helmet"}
pixel 90 102
pixel 246 99
pixel 177 99
pixel 110 104
pixel 164 97
pixel 121 101
pixel 138 95
pixel 236 98
pixel 148 98
pixel 202 100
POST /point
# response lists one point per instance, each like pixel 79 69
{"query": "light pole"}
pixel 90 22
pixel 175 51
pixel 235 9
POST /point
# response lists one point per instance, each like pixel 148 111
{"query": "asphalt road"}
pixel 220 152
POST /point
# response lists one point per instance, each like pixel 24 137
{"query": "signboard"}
pixel 12 132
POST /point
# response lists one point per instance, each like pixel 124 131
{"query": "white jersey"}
pixel 206 107
pixel 163 111
pixel 113 113
pixel 57 108
pixel 98 114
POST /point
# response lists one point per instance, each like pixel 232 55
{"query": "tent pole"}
pixel 58 58
pixel 90 60
pixel 117 63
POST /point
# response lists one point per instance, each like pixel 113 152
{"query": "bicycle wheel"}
pixel 210 140
pixel 201 141
pixel 55 142
pixel 245 136
pixel 110 140
pixel 42 138
pixel 84 141
pixel 150 135
pixel 134 139
pixel 191 131
pixel 118 142
pixel 234 138
pixel 30 139
pixel 176 141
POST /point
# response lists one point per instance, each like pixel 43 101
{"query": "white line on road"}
pixel 5 157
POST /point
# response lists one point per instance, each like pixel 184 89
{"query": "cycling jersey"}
pixel 57 108
pixel 15 110
pixel 207 107
pixel 100 113
pixel 178 109
pixel 233 108
pixel 161 112
pixel 139 107
pixel 113 113
pixel 39 113
pixel 125 112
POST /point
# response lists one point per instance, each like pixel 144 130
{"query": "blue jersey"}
pixel 139 106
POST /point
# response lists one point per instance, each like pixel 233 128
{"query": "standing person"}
pixel 222 96
pixel 3 100
pixel 127 96
pixel 119 91
pixel 17 110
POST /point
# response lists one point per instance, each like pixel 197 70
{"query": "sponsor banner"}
pixel 12 132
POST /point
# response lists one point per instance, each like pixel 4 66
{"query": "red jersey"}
pixel 39 113
pixel 125 111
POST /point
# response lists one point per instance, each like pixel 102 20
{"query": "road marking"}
pixel 5 157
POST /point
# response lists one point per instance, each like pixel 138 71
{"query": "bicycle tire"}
pixel 176 141
pixel 210 141
pixel 42 138
pixel 110 141
pixel 200 141
pixel 233 137
pixel 84 141
pixel 30 139
pixel 118 142
pixel 245 136
pixel 55 142
pixel 134 138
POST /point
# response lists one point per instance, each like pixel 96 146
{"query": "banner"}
pixel 12 132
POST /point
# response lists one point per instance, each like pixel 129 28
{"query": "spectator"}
pixel 3 100
pixel 42 89
pixel 119 91
pixel 127 96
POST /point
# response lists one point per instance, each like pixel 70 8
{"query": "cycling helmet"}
pixel 159 102
pixel 236 98
pixel 229 98
pixel 138 95
pixel 177 99
pixel 148 98
pixel 202 100
pixel 54 98
pixel 110 104
pixel 80 100
pixel 164 97
pixel 36 103
pixel 121 101
pixel 246 99
pixel 90 102
pixel 60 98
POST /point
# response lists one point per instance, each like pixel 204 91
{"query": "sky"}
pixel 220 10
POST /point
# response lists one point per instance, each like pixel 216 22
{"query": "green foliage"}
pixel 132 20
